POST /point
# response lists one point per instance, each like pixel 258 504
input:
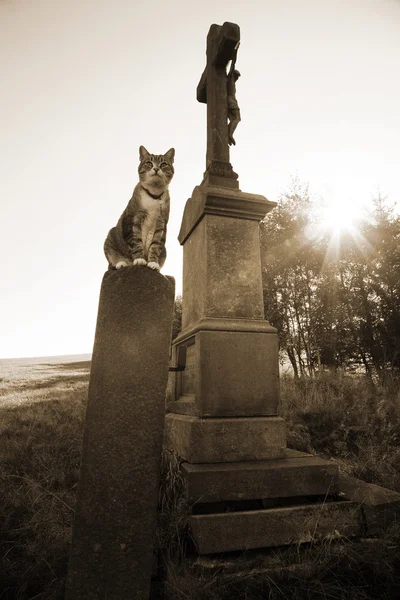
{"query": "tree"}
pixel 291 266
pixel 334 297
pixel 177 317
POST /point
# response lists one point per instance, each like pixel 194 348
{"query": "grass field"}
pixel 42 407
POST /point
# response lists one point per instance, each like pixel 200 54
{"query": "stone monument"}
pixel 115 516
pixel 247 488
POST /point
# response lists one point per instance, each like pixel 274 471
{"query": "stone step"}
pixel 229 439
pixel 299 474
pixel 380 506
pixel 244 530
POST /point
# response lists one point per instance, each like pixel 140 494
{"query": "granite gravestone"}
pixel 113 534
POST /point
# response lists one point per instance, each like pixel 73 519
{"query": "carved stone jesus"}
pixel 233 106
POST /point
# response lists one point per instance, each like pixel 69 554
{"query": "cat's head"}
pixel 156 170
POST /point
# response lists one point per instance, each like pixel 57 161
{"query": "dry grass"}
pixel 173 511
pixel 340 570
pixel 349 418
pixel 41 423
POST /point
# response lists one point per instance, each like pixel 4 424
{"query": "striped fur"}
pixel 140 234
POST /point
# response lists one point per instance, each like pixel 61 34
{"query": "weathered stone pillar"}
pixel 231 368
pixel 115 515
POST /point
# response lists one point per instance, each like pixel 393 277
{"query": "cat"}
pixel 140 234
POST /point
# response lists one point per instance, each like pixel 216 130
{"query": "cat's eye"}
pixel 163 165
pixel 148 163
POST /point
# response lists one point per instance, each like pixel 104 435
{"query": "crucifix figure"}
pixel 233 106
pixel 217 89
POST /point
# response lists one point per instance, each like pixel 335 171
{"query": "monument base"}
pixel 226 373
pixel 359 510
pixel 297 475
pixel 298 499
pixel 245 530
pixel 224 440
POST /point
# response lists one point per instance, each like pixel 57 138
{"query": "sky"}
pixel 85 83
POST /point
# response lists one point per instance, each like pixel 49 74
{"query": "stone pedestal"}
pixel 225 403
pixel 228 373
pixel 224 418
pixel 114 527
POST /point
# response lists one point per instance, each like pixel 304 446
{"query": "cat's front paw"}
pixel 140 261
pixel 153 265
pixel 121 263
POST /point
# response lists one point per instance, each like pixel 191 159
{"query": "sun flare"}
pixel 338 220
pixel 339 217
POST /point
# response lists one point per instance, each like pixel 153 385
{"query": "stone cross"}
pixel 222 45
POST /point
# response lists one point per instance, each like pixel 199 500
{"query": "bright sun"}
pixel 339 216
pixel 337 219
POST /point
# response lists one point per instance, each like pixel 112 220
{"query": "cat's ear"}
pixel 170 154
pixel 143 152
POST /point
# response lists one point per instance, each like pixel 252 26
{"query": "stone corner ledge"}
pixel 222 201
pixel 225 325
pixel 380 506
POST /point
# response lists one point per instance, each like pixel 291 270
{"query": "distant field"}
pixel 27 379
pixel 35 360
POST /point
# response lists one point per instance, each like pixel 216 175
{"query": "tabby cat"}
pixel 139 236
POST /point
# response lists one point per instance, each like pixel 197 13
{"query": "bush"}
pixel 347 417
